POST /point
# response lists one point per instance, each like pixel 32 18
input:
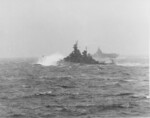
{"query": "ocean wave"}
pixel 50 60
pixel 133 61
pixel 132 64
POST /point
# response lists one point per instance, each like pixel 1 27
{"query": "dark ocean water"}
pixel 73 90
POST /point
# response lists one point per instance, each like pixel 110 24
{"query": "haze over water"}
pixel 34 28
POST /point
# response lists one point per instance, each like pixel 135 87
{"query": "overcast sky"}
pixel 42 27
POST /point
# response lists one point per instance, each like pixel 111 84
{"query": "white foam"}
pixel 50 60
pixel 132 64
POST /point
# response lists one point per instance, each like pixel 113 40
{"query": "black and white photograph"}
pixel 74 58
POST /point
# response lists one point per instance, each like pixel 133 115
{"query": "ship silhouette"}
pixel 105 57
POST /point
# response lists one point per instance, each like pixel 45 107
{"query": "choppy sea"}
pixel 28 90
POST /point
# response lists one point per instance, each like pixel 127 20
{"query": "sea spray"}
pixel 132 61
pixel 50 60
